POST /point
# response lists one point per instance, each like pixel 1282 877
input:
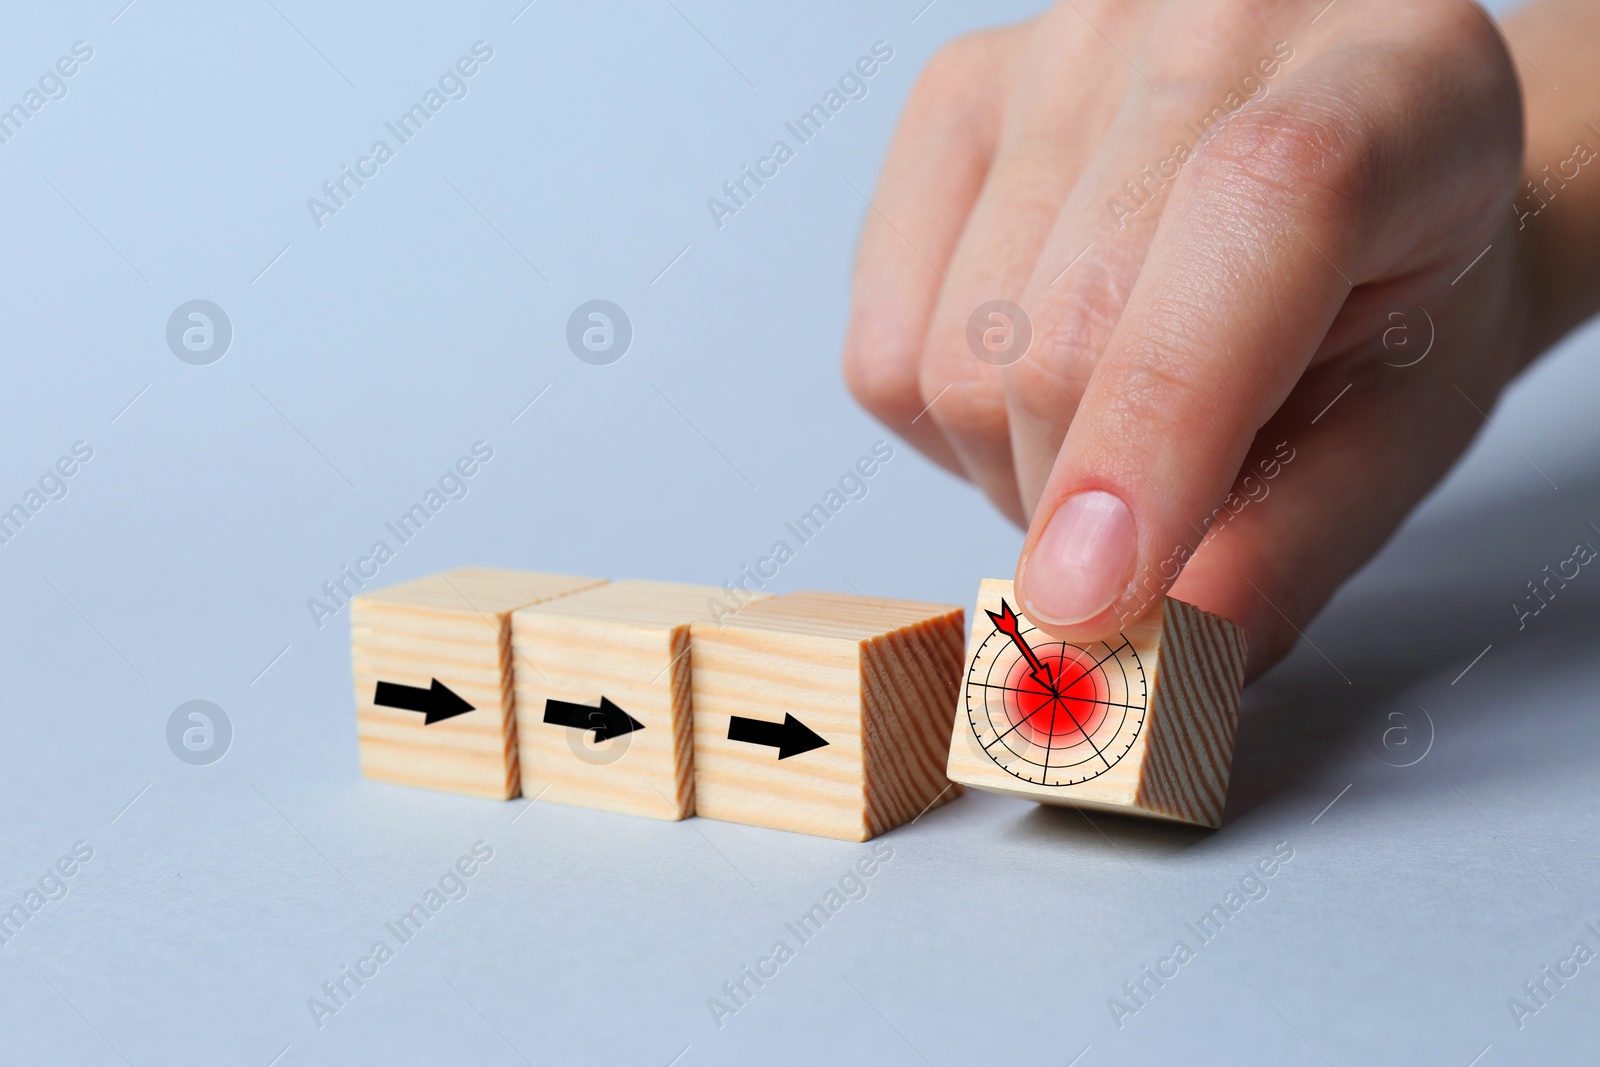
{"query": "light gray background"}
pixel 415 322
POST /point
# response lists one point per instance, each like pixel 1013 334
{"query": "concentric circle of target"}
pixel 1063 725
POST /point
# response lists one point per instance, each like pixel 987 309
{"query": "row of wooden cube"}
pixel 821 713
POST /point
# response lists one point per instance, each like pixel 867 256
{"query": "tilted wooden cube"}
pixel 825 713
pixel 432 665
pixel 1142 723
pixel 603 697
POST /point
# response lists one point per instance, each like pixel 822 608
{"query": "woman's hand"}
pixel 1271 277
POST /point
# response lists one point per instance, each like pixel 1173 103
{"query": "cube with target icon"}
pixel 1140 723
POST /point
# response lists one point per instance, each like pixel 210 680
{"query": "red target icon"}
pixel 1050 712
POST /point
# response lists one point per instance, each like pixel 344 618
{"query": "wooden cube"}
pixel 603 698
pixel 1140 724
pixel 825 713
pixel 432 665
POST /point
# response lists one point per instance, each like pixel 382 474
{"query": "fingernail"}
pixel 1081 562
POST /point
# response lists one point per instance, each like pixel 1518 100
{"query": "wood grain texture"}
pixel 1195 716
pixel 1177 767
pixel 875 679
pixel 627 641
pixel 454 627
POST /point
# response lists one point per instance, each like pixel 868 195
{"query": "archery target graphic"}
pixel 1064 722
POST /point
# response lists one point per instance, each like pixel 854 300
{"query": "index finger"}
pixel 1236 294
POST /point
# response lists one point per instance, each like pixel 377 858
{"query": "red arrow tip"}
pixel 1005 621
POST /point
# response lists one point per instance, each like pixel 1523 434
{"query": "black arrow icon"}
pixel 607 721
pixel 790 737
pixel 439 703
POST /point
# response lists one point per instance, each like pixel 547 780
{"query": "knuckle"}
pixel 1461 30
pixel 1070 332
pixel 880 378
pixel 949 76
pixel 1285 150
pixel 1045 389
pixel 962 57
pixel 1158 394
pixel 966 406
pixel 968 411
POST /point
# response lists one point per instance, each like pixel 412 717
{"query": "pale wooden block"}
pixel 875 682
pixel 1142 723
pixel 625 644
pixel 452 629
